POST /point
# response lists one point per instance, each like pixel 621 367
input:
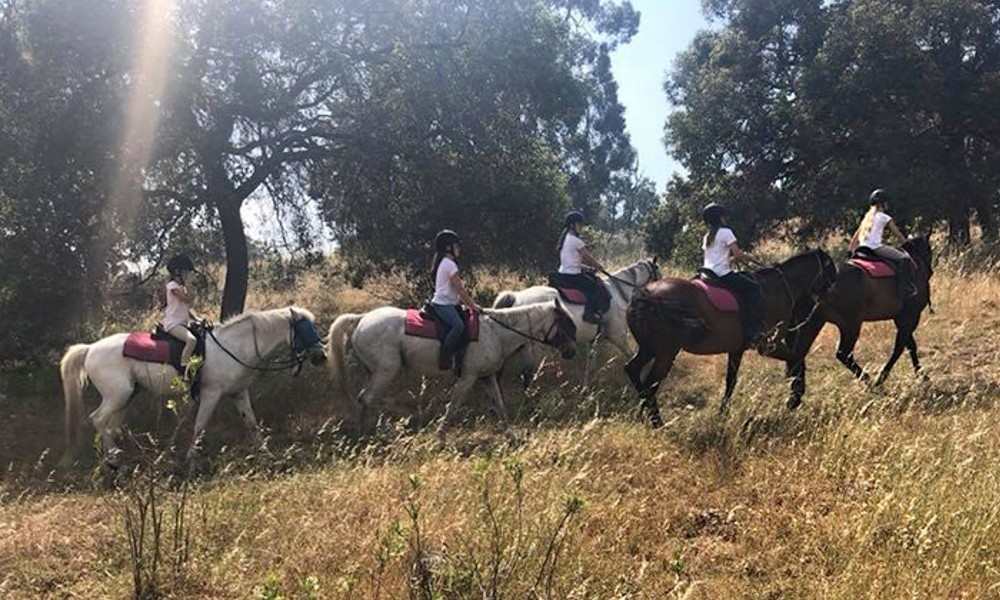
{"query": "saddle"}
pixel 719 296
pixel 158 346
pixel 874 266
pixel 425 323
pixel 572 295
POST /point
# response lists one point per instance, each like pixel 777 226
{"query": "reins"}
pixel 547 342
pixel 293 362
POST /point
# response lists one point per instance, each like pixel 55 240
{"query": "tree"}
pixel 59 107
pixel 469 125
pixel 801 108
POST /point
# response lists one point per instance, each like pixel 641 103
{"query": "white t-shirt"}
pixel 717 255
pixel 177 311
pixel 570 259
pixel 445 291
pixel 874 238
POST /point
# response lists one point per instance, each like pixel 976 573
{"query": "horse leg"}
pixel 492 388
pixel 378 382
pixel 845 350
pixel 911 345
pixel 635 365
pixel 206 408
pixel 660 369
pixel 796 371
pixel 905 324
pixel 243 406
pixel 732 373
pixel 456 394
pixel 897 351
pixel 107 420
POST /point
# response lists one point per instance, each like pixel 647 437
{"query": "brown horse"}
pixel 856 298
pixel 671 315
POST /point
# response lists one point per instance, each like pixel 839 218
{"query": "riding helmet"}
pixel 574 217
pixel 880 197
pixel 181 262
pixel 445 238
pixel 712 214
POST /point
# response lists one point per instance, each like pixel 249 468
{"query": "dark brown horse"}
pixel 671 315
pixel 856 298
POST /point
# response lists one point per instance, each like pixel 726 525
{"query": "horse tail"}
pixel 646 311
pixel 505 300
pixel 336 343
pixel 74 379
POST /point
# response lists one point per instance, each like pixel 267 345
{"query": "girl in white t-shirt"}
pixel 721 250
pixel 573 257
pixel 179 310
pixel 868 240
pixel 449 295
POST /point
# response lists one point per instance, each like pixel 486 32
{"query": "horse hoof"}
pixel 793 403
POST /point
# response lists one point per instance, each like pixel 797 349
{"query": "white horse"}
pixel 613 327
pixel 234 353
pixel 379 341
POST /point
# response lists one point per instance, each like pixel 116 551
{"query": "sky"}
pixel 666 27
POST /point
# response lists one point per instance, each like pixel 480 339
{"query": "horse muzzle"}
pixel 568 351
pixel 317 355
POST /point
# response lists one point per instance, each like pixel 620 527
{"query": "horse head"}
pixel 652 269
pixel 919 247
pixel 564 338
pixel 827 273
pixel 305 336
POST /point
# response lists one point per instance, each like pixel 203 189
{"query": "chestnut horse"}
pixel 671 315
pixel 856 298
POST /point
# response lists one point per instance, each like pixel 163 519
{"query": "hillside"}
pixel 858 494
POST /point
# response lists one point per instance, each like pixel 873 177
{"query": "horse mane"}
pixel 810 254
pixel 920 247
pixel 268 315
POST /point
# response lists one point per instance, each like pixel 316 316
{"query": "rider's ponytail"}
pixel 710 236
pixel 866 224
pixel 562 240
pixel 435 263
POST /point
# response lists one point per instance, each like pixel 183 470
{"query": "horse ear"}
pixel 655 258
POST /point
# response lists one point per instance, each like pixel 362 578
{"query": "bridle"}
pixel 297 355
pixel 549 339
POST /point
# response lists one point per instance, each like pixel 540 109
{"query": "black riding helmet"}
pixel 445 238
pixel 181 262
pixel 880 197
pixel 574 217
pixel 713 213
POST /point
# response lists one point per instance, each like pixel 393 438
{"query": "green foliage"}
pixel 799 109
pixel 475 123
pixel 393 118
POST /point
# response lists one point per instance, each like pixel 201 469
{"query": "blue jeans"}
pixel 449 313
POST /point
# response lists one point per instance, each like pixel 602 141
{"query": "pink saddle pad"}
pixel 721 298
pixel 572 295
pixel 418 326
pixel 875 269
pixel 140 345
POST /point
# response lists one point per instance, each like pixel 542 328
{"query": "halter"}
pixel 296 357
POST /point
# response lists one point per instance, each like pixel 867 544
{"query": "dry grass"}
pixel 858 494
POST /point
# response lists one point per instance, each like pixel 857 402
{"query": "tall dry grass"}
pixel 858 494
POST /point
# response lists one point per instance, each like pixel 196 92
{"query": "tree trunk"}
pixel 958 229
pixel 234 295
pixel 987 217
